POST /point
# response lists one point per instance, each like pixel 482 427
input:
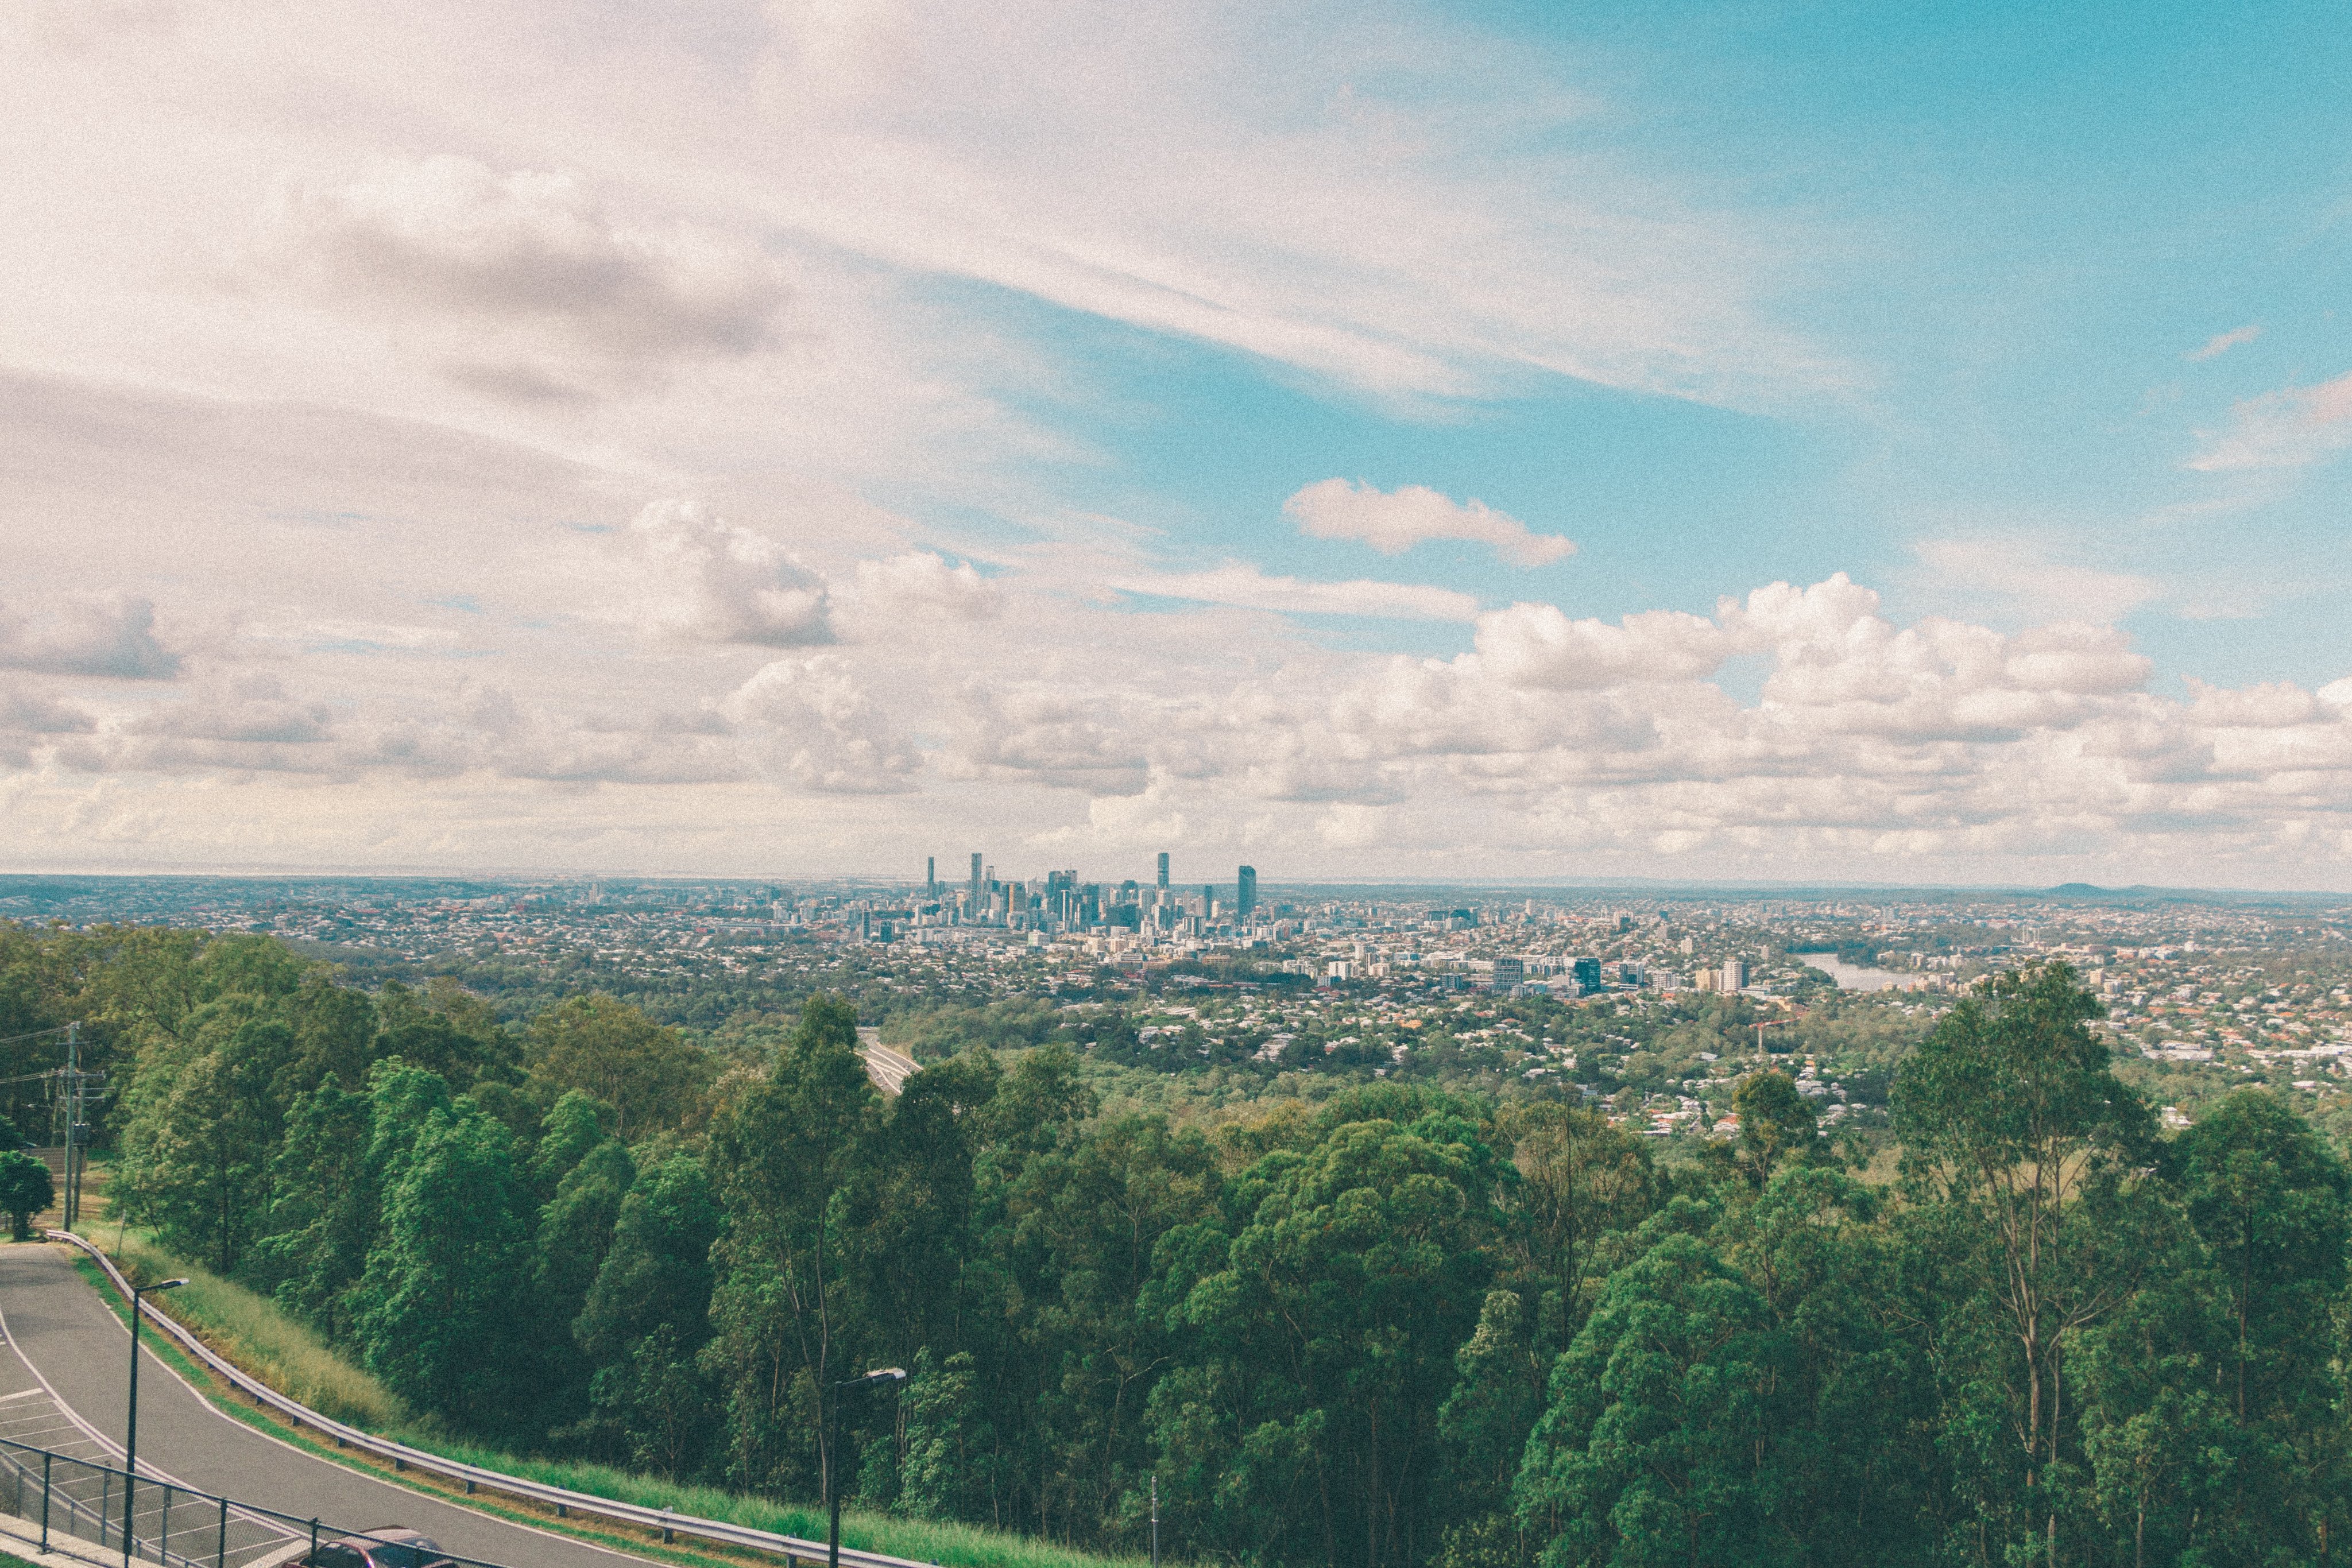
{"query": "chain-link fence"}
pixel 173 1526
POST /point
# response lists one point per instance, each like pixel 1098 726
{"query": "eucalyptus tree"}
pixel 2012 1119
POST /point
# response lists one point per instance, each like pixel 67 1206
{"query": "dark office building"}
pixel 1246 896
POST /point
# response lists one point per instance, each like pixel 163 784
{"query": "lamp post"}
pixel 883 1377
pixel 130 1432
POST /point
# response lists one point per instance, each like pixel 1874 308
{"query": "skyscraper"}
pixel 1163 871
pixel 975 905
pixel 1246 895
pixel 930 875
pixel 1735 974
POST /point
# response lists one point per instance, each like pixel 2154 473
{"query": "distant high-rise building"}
pixel 930 875
pixel 1735 974
pixel 975 882
pixel 1246 898
pixel 1163 871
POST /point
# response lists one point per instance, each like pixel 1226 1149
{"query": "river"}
pixel 1853 977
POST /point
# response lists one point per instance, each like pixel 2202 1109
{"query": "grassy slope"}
pixel 257 1335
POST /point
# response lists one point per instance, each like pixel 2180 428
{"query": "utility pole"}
pixel 72 1085
pixel 1155 1495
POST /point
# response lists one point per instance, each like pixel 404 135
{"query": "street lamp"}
pixel 883 1377
pixel 130 1435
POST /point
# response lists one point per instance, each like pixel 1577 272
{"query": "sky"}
pixel 1866 443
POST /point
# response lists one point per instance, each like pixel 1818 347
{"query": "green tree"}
pixel 944 1474
pixel 650 1075
pixel 335 1030
pixel 576 1124
pixel 793 1160
pixel 196 1155
pixel 1860 1479
pixel 1661 1444
pixel 2270 1200
pixel 26 1189
pixel 574 1237
pixel 1325 1335
pixel 324 1209
pixel 1498 1398
pixel 646 1318
pixel 1076 1228
pixel 2158 1434
pixel 446 1316
pixel 444 1031
pixel 1776 1126
pixel 2009 1111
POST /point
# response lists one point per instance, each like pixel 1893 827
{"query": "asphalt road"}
pixel 890 1069
pixel 63 1342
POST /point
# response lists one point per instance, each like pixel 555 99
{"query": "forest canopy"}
pixel 1402 1326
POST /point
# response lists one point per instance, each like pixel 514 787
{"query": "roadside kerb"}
pixel 473 1477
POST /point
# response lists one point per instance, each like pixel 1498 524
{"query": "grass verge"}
pixel 257 1336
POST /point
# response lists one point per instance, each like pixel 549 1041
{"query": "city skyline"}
pixel 1381 442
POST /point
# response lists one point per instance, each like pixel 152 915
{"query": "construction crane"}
pixel 1763 1024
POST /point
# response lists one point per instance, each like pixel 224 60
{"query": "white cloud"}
pixel 2024 572
pixel 32 713
pixel 252 709
pixel 1536 645
pixel 1393 522
pixel 708 580
pixel 2221 343
pixel 896 594
pixel 810 723
pixel 520 284
pixel 107 634
pixel 2288 429
pixel 1351 210
pixel 1058 736
pixel 1243 584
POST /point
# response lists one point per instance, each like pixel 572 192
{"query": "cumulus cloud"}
pixel 107 634
pixel 253 709
pixel 810 722
pixel 236 722
pixel 488 731
pixel 900 592
pixel 2287 429
pixel 33 714
pixel 1393 521
pixel 1552 736
pixel 708 580
pixel 1538 645
pixel 1058 736
pixel 522 285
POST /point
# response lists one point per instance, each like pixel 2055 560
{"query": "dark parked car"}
pixel 388 1548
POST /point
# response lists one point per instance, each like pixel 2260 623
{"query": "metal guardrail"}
pixel 564 1501
pixel 66 1498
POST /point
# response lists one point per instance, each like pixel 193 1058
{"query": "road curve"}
pixel 81 1352
pixel 890 1069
